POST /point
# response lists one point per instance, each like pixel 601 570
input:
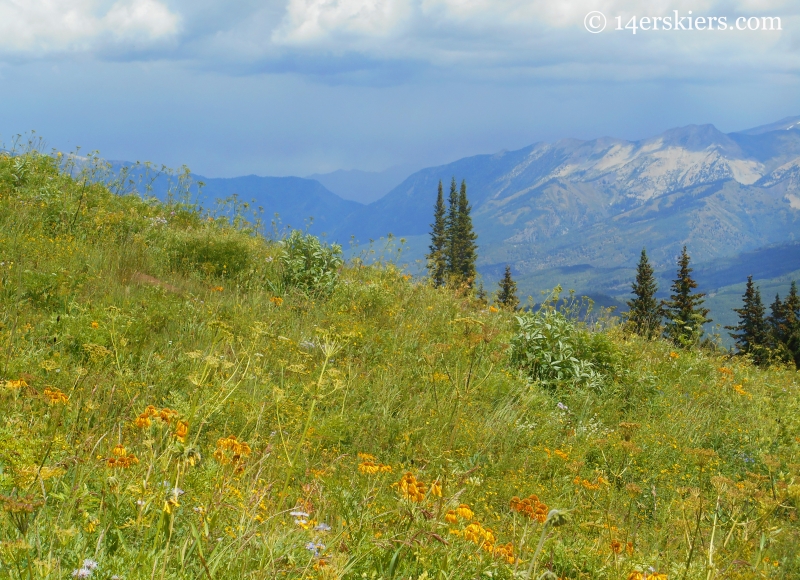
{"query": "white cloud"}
pixel 309 21
pixel 41 27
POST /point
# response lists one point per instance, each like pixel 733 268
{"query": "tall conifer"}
pixel 451 229
pixel 507 296
pixel 751 334
pixel 645 312
pixel 437 258
pixel 684 311
pixel 466 236
pixel 791 314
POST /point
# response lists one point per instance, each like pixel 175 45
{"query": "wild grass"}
pixel 173 408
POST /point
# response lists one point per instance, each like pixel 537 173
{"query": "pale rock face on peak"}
pixel 598 202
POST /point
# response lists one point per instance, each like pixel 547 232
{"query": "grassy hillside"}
pixel 174 405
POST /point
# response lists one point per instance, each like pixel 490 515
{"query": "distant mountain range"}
pixel 579 212
pixel 363 186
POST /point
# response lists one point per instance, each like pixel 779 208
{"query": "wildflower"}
pixel 95 325
pixel 314 548
pixel 371 468
pixel 411 488
pixel 322 527
pixel 463 511
pixel 55 396
pixel 90 564
pixel 674 355
pixel 492 309
pixel 366 457
pixel 119 450
pixel 563 455
pixel 616 546
pixel 740 390
pixel 81 573
pixel 505 551
pixel 276 300
pixel 12 385
pixel 436 489
pixel 562 406
pixel 142 421
pixel 181 430
pixel 531 507
pixel 451 517
pixel 477 534
pixel 231 450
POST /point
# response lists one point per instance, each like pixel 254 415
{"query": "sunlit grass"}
pixel 171 409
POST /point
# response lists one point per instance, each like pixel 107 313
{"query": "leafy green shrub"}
pixel 310 265
pixel 551 350
pixel 213 255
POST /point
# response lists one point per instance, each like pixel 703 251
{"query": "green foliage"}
pixel 547 348
pixel 751 334
pixel 507 295
pixel 222 254
pixel 165 425
pixel 645 311
pixel 460 249
pixel 437 258
pixel 784 326
pixel 685 313
pixel 310 265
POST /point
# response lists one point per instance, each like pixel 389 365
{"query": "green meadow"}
pixel 184 397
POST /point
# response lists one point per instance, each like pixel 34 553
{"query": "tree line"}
pixel 453 253
pixel 764 338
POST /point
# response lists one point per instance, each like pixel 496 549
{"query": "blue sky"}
pixel 281 87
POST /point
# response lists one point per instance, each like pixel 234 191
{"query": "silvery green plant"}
pixel 309 264
pixel 547 347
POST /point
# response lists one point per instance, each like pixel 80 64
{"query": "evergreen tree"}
pixel 507 296
pixel 751 334
pixel 684 311
pixel 645 312
pixel 791 314
pixel 466 236
pixel 451 232
pixel 437 258
pixel 776 323
pixel 481 295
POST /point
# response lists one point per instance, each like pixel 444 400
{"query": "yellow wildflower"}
pixel 181 430
pixel 55 396
pixel 463 511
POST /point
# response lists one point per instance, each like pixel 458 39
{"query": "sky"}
pixel 294 87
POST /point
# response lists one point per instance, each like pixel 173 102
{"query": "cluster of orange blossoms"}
pixel 370 466
pixel 231 450
pixel 531 507
pixel 414 489
pixel 617 546
pixel 121 458
pixel 12 385
pixel 181 431
pixel 462 511
pixel 601 481
pixel 485 538
pixel 276 300
pixel 55 396
pixel 164 415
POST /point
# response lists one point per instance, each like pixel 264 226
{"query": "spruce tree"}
pixel 751 334
pixel 645 312
pixel 507 296
pixel 684 311
pixel 776 323
pixel 791 314
pixel 437 258
pixel 467 248
pixel 451 233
